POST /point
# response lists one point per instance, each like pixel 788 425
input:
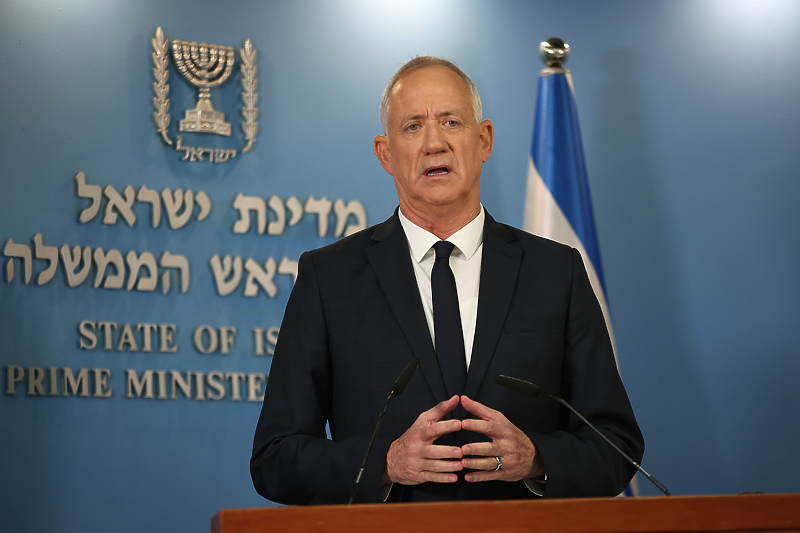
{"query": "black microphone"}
pixel 533 390
pixel 397 389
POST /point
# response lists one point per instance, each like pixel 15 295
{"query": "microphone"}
pixel 397 389
pixel 403 379
pixel 533 390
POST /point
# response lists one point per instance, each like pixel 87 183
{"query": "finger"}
pixel 433 431
pixel 443 452
pixel 488 464
pixel 437 477
pixel 478 409
pixel 443 465
pixel 482 475
pixel 480 426
pixel 436 412
pixel 480 449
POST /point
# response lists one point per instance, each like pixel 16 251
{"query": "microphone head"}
pixel 405 377
pixel 518 385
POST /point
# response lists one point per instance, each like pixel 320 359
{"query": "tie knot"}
pixel 443 249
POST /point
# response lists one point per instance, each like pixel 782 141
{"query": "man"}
pixel 364 306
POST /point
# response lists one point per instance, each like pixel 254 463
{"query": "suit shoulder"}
pixel 542 245
pixel 352 246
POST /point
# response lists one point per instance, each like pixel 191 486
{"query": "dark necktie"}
pixel 447 321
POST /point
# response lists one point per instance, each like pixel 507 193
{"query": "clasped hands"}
pixel 414 458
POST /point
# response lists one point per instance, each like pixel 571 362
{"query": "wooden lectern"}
pixel 741 513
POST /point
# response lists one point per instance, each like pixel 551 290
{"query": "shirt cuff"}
pixel 536 486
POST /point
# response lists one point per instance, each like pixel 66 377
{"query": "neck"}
pixel 442 222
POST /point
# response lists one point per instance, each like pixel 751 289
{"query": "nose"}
pixel 433 140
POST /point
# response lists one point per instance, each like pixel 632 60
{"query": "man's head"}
pixel 435 142
pixel 421 62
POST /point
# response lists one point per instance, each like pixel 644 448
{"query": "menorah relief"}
pixel 205 66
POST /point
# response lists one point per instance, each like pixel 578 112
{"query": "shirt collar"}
pixel 468 239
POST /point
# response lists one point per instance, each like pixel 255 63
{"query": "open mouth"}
pixel 437 171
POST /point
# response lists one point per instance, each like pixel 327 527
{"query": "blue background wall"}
pixel 691 120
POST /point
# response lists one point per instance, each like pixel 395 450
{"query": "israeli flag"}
pixel 558 204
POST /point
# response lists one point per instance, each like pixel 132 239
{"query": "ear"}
pixel 380 145
pixel 487 139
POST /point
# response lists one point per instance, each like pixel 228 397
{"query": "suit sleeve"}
pixel 578 462
pixel 293 460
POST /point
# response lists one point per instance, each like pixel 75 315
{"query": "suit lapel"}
pixel 499 270
pixel 391 262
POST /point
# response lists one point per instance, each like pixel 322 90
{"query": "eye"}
pixel 412 127
pixel 452 123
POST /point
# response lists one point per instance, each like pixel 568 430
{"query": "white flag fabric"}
pixel 558 204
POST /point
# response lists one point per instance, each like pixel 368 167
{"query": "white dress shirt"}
pixel 465 262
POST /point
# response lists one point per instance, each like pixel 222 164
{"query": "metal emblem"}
pixel 205 66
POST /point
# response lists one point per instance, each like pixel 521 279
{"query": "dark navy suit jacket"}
pixel 353 322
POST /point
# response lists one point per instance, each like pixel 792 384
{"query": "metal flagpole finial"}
pixel 554 52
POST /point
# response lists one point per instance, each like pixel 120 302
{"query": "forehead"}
pixel 432 88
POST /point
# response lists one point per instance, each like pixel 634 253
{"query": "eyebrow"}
pixel 446 113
